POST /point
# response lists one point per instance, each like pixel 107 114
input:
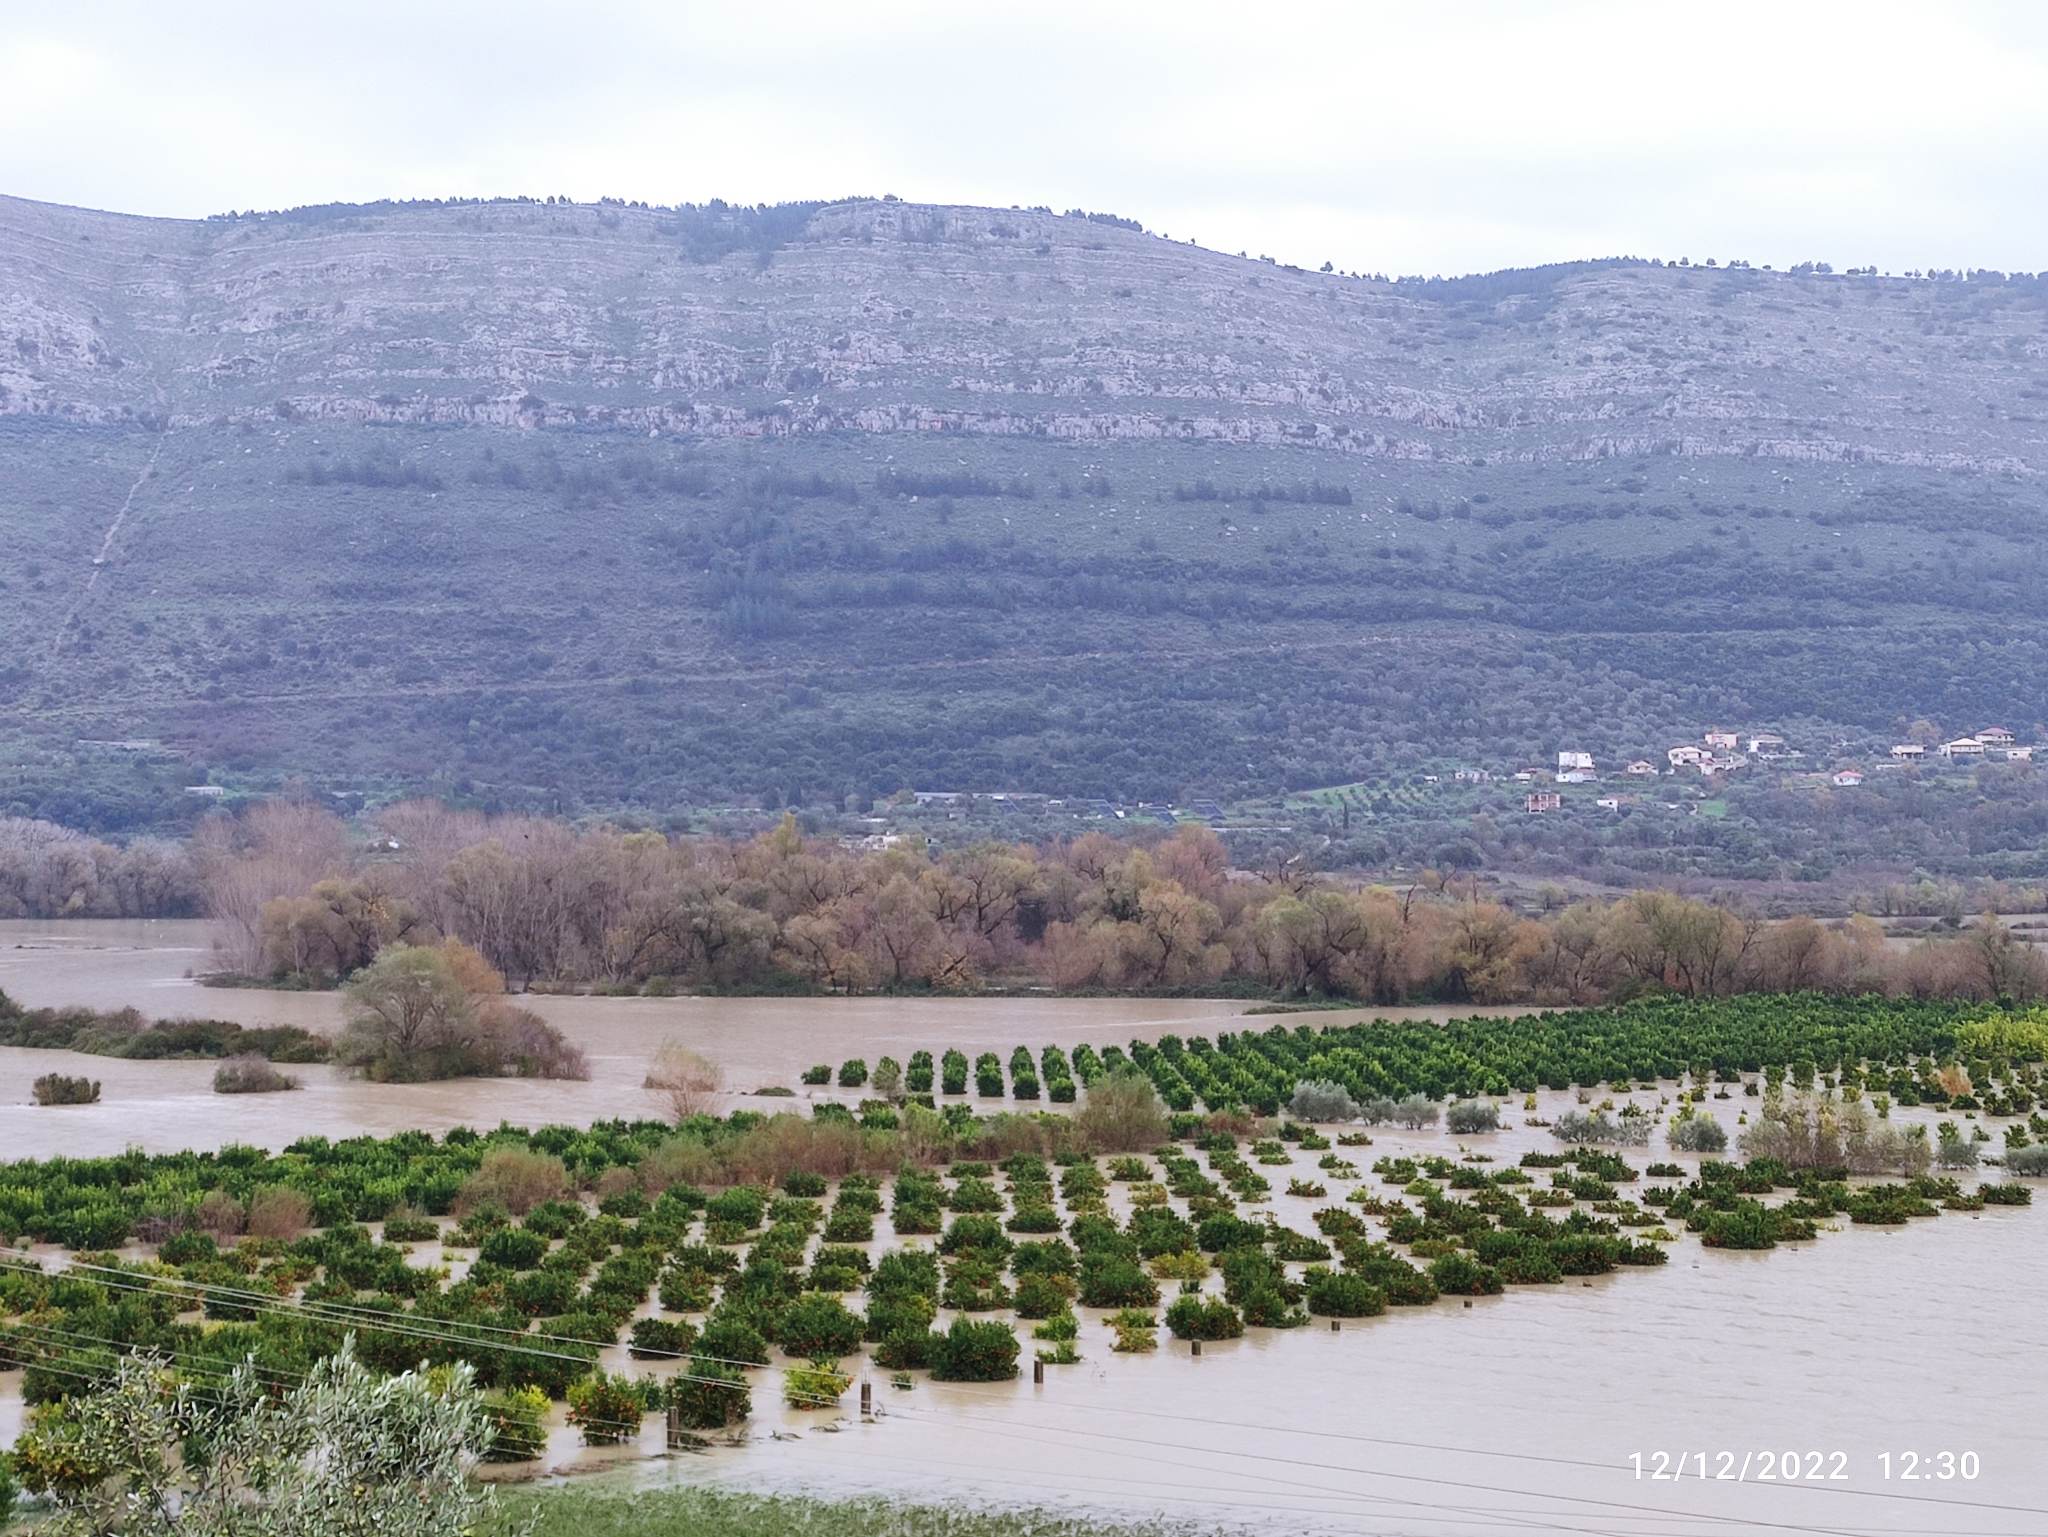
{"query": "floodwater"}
pixel 1519 1413
pixel 758 1042
pixel 1524 1411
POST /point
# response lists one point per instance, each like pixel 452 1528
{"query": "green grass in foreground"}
pixel 720 1513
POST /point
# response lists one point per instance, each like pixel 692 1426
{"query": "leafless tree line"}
pixel 550 905
pixel 47 871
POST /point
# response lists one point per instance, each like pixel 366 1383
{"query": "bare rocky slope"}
pixel 890 317
pixel 607 504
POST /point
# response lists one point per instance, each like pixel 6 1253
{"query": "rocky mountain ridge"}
pixel 880 317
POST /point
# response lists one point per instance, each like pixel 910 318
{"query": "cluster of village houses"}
pixel 1723 752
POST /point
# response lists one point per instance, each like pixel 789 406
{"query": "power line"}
pixel 455 1333
pixel 1466 1484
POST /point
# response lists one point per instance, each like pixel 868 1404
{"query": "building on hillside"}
pixel 1543 800
pixel 206 792
pixel 1962 747
pixel 1576 776
pixel 1722 741
pixel 873 843
pixel 1995 736
pixel 1472 776
pixel 1641 768
pixel 1846 778
pixel 1567 761
pixel 1614 802
pixel 1908 751
pixel 1687 757
pixel 1726 763
pixel 1766 744
pixel 2019 755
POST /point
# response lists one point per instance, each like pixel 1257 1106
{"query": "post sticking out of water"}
pixel 867 1399
pixel 1037 1373
pixel 1335 1326
pixel 675 1426
pixel 1197 1346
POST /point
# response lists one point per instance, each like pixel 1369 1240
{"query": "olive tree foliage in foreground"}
pixel 346 1452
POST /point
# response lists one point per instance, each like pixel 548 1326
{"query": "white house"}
pixel 1642 768
pixel 2019 755
pixel 1576 776
pixel 1687 757
pixel 1765 743
pixel 1909 750
pixel 1725 741
pixel 1846 778
pixel 1995 736
pixel 1962 747
pixel 1574 760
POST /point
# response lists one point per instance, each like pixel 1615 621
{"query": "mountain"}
pixel 612 505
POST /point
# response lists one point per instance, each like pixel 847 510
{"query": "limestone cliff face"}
pixel 883 317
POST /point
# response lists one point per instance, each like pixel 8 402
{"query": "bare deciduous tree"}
pixel 687 1082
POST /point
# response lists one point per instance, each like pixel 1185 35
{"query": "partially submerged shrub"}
pixel 818 1324
pixel 64 1089
pixel 1136 1330
pixel 1192 1316
pixel 686 1082
pixel 974 1351
pixel 1952 1150
pixel 1317 1099
pixel 2031 1161
pixel 417 1013
pixel 1338 1294
pixel 1697 1134
pixel 1471 1116
pixel 711 1395
pixel 819 1385
pixel 278 1211
pixel 519 1417
pixel 1459 1275
pixel 662 1339
pixel 1122 1114
pixel 1415 1112
pixel 607 1409
pixel 250 1075
pixel 1580 1126
pixel 515 1179
pixel 1818 1132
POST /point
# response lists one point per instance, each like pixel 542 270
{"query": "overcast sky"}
pixel 1398 138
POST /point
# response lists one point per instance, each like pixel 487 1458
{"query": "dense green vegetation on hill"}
pixel 769 622
pixel 1056 505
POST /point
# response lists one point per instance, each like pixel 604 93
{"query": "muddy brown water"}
pixel 1520 1413
pixel 759 1042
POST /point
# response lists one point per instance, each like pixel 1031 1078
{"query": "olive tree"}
pixel 346 1452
